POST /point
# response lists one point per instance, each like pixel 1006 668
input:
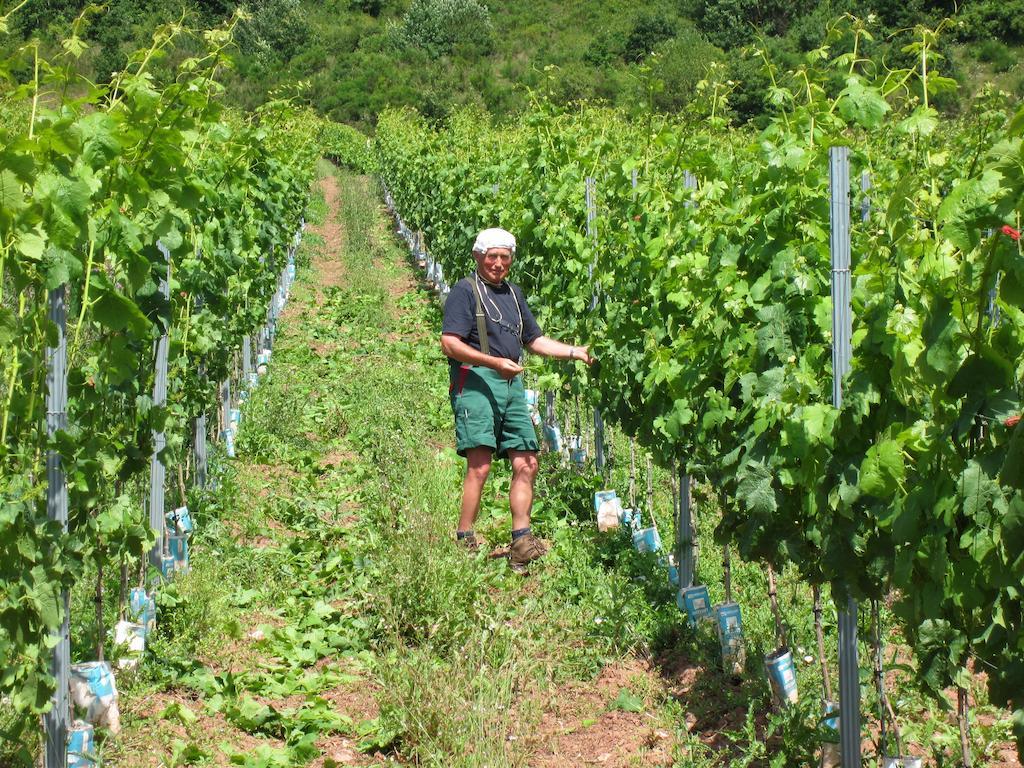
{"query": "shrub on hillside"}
pixel 678 65
pixel 733 23
pixel 605 48
pixel 992 19
pixel 274 33
pixel 649 31
pixel 900 14
pixel 997 54
pixel 439 26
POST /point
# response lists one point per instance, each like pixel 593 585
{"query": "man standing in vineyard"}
pixel 486 325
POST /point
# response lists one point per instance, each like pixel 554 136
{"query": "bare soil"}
pixel 328 267
pixel 579 726
pixel 243 654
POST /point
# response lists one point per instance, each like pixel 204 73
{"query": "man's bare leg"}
pixel 478 466
pixel 520 495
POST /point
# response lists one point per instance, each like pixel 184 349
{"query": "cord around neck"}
pixel 493 285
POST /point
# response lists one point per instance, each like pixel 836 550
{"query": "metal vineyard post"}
pixel 55 721
pixel 591 186
pixel 157 469
pixel 246 358
pixel 225 402
pixel 199 428
pixel 199 448
pixel 842 331
pixel 684 522
pixel 684 531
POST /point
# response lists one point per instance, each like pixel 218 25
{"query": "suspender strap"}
pixel 481 320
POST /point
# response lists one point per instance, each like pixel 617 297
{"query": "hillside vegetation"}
pixel 353 58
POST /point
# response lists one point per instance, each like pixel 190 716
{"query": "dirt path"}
pixel 330 271
pixel 353 699
pixel 327 265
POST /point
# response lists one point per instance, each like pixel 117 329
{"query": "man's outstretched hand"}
pixel 583 355
pixel 508 369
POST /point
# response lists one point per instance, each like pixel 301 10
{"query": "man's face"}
pixel 494 265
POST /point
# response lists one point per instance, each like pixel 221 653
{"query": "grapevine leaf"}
pixel 921 122
pixel 771 383
pixel 1012 525
pixel 31 244
pixel 1016 126
pixel 119 360
pixel 977 490
pixel 940 333
pixel 1012 473
pixel 882 470
pixel 680 417
pixel 12 198
pixel 8 326
pixel 117 312
pixel 1002 404
pixel 960 211
pixel 33 695
pixel 67 201
pixel 771 336
pixel 61 266
pixel 976 373
pixel 900 200
pixel 905 525
pixel 810 426
pixel 46 595
pixel 862 104
pixel 99 140
pixel 939 647
pixel 1011 288
pixel 938 85
pixel 754 489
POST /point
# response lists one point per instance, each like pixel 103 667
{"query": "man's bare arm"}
pixel 547 347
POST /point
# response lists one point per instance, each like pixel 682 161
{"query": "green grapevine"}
pixel 91 178
pixel 713 322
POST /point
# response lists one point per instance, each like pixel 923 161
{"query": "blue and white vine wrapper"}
pixel 608 510
pixel 93 690
pixel 81 745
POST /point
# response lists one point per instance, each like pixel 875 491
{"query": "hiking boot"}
pixel 524 551
pixel 471 543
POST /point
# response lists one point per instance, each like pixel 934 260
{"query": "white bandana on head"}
pixel 494 237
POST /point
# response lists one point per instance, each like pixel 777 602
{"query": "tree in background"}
pixel 899 14
pixel 360 56
pixel 987 19
pixel 124 26
pixel 677 65
pixel 439 26
pixel 275 32
pixel 36 16
pixel 649 31
pixel 733 23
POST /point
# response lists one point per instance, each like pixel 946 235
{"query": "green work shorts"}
pixel 490 411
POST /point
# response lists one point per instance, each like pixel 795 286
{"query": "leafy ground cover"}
pixel 329 619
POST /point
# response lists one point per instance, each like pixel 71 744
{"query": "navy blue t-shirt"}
pixel 502 317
